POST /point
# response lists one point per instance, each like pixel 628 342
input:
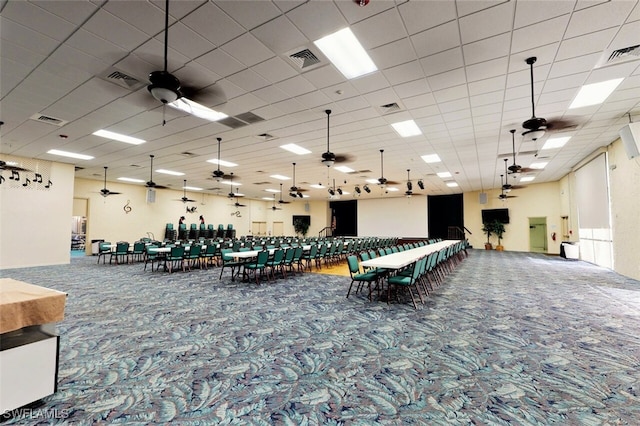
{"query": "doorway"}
pixel 444 211
pixel 278 229
pixel 259 228
pixel 538 234
pixel 344 217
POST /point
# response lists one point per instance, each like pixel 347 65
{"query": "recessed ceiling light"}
pixel 192 188
pixel 126 179
pixel 527 178
pixel 344 169
pixel 296 149
pixel 345 52
pixel 267 198
pixel 317 186
pixel 275 191
pixel 452 184
pixel 553 143
pixel 222 163
pixel 118 137
pixel 444 174
pixel 540 165
pixel 406 128
pixel 345 192
pixel 169 172
pixel 230 182
pixel 280 177
pixel 372 181
pixel 69 154
pixel 194 108
pixel 594 94
pixel 392 189
pixel 431 158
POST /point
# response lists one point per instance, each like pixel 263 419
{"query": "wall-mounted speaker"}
pixel 482 198
pixel 151 196
pixel 306 207
pixel 630 135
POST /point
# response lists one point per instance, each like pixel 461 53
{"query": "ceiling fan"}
pixel 218 174
pixel 104 191
pixel 329 158
pixel 535 127
pixel 409 192
pixel 502 195
pixel 506 185
pixel 166 87
pixel 184 198
pixel 274 208
pixel 515 168
pixel 281 201
pixel 295 191
pixel 382 180
pixel 8 166
pixel 151 183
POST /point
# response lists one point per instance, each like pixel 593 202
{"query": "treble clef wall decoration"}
pixel 127 208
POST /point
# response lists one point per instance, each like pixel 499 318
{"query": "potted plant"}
pixel 487 228
pixel 301 227
pixel 498 229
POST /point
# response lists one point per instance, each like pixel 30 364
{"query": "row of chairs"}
pixel 123 252
pixel 423 275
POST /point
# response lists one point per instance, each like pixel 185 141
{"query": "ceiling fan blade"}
pixel 561 124
pixel 5 166
pixel 344 158
pixel 151 183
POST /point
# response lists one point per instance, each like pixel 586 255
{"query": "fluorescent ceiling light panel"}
pixel 344 169
pixel 229 182
pixel 192 188
pixel 345 192
pixel 444 174
pixel 554 143
pixel 222 163
pixel 194 108
pixel 267 198
pixel 527 178
pixel 280 177
pixel 305 196
pixel 275 191
pixel 452 184
pixel 594 94
pixel 118 137
pixel 238 194
pixel 69 154
pixel 126 179
pixel 539 166
pixel 345 52
pixel 169 172
pixel 372 181
pixel 406 128
pixel 431 158
pixel 392 189
pixel 296 149
pixel 317 186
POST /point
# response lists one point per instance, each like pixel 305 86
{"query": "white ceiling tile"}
pixel 213 24
pixel 250 14
pixel 313 99
pixel 295 86
pixel 487 49
pixel 442 62
pixel 38 19
pixel 248 50
pixel 574 65
pixel 96 46
pixel 486 99
pixel 370 82
pixel 184 40
pixel 19 55
pixel 12 74
pixel 412 88
pixel 248 80
pixel 438 39
pixel 380 97
pixel 419 101
pixel 487 85
pixel 602 16
pixel 354 13
pixel 391 54
pixel 449 79
pixel 26 37
pixel 242 104
pixel 275 70
pixel 532 12
pixel 421 15
pixel 76 12
pixel 451 93
pixel 457 105
pixel 379 29
pixel 220 63
pixel 324 76
pixel 476 26
pixel 584 45
pixel 404 73
pixel 469 7
pixel 486 70
pixel 105 25
pixel 280 35
pixel 143 15
pixel 75 62
pixel 540 34
pixel 627 35
pixel 317 19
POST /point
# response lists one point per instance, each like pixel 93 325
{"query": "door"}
pixel 278 229
pixel 259 228
pixel 538 234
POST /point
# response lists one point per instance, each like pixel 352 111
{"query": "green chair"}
pixel 229 262
pixel 138 251
pixel 175 259
pixel 121 254
pixel 400 281
pixel 152 256
pixel 209 254
pixel 277 263
pixel 258 266
pixel 310 256
pixel 104 249
pixel 192 257
pixel 359 277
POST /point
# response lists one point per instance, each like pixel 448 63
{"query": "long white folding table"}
pixel 404 258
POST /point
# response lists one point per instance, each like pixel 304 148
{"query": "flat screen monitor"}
pixel 491 215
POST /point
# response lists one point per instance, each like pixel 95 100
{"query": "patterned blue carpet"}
pixel 509 338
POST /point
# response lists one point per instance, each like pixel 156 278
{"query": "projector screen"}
pixel 393 217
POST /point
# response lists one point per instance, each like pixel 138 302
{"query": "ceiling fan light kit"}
pixel 164 86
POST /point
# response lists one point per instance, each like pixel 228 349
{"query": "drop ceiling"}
pixel 457 68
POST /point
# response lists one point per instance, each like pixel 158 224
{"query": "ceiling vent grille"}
pixel 188 154
pixel 617 56
pixel 232 122
pixel 389 108
pixel 249 117
pixel 122 79
pixel 49 120
pixel 265 136
pixel 304 58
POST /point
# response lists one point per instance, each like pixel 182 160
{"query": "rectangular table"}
pixel 404 258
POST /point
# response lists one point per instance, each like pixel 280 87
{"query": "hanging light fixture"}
pixel 328 158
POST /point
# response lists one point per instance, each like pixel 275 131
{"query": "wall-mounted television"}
pixel 303 218
pixel 491 215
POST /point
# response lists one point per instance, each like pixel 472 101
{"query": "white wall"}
pixel 393 217
pixel 534 200
pixel 35 223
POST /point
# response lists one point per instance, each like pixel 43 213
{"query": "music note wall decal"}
pixel 38 178
pixel 27 182
pixel 14 175
pixel 49 184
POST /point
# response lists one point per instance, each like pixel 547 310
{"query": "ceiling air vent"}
pixel 264 136
pixel 49 120
pixel 232 122
pixel 304 58
pixel 122 79
pixel 617 56
pixel 389 108
pixel 188 154
pixel 249 117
